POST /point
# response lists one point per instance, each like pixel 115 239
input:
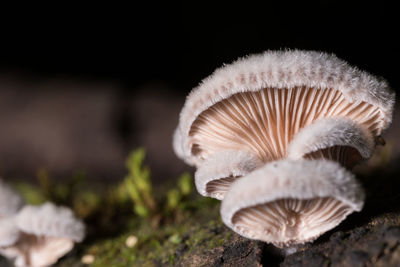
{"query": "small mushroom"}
pixel 259 103
pixel 9 232
pixel 291 202
pixel 338 139
pixel 10 201
pixel 215 176
pixel 47 233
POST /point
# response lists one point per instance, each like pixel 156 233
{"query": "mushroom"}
pixel 10 201
pixel 46 233
pixel 339 139
pixel 260 102
pixel 214 177
pixel 291 202
pixel 9 232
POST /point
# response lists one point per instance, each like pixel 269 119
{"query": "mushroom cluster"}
pixel 35 236
pixel 274 136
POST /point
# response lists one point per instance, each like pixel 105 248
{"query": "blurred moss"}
pixel 137 184
pixel 175 239
pixel 161 222
pixel 177 196
pixel 173 198
pixel 30 193
pixel 159 246
pixel 185 184
pixel 137 187
pixel 86 203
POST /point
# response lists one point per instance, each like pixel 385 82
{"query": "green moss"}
pixel 165 245
pixel 30 193
pixel 168 228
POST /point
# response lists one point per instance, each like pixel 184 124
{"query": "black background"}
pixel 182 43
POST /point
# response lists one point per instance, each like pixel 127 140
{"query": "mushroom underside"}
pixel 345 155
pixel 32 250
pixel 217 188
pixel 265 121
pixel 338 139
pixel 291 202
pixel 216 174
pixel 290 221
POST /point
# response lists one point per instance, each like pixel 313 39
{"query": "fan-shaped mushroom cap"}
pixel 47 233
pixel 339 139
pixel 50 220
pixel 10 201
pixel 260 102
pixel 291 202
pixel 216 174
pixel 9 232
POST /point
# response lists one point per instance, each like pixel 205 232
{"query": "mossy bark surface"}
pixel 368 238
pixel 194 235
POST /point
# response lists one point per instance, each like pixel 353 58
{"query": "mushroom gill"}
pixel 289 221
pixel 260 102
pixel 266 121
pixel 338 139
pixel 33 250
pixel 290 202
pixel 345 155
pixel 46 233
pixel 215 176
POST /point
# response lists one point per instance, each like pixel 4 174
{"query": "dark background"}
pixel 184 42
pixel 81 86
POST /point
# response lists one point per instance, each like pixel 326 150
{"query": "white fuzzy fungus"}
pixel 10 201
pixel 46 233
pixel 215 176
pixel 291 202
pixel 338 139
pixel 302 114
pixel 260 102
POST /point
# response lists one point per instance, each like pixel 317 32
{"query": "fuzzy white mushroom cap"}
pixel 9 232
pixel 290 202
pixel 347 87
pixel 215 176
pixel 10 201
pixel 177 144
pixel 45 233
pixel 50 220
pixel 330 133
